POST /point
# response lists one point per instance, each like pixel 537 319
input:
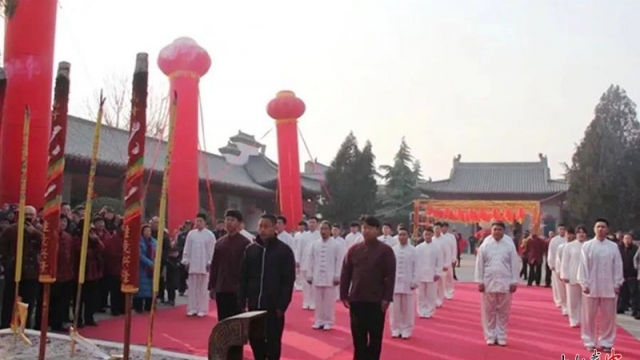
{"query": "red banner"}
pixel 55 172
pixel 133 189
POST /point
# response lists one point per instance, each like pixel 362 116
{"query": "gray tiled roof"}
pixel 113 145
pixel 498 178
pixel 265 171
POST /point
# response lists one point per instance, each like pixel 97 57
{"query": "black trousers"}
pixel 142 304
pixel 28 291
pixel 367 327
pixel 182 285
pixel 547 275
pixel 628 295
pixel 162 286
pixel 89 301
pixel 116 297
pixel 525 267
pixel 227 306
pixel 268 346
pixel 535 274
pixel 172 280
pixel 60 303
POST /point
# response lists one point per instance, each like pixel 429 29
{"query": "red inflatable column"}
pixel 286 108
pixel 184 61
pixel 28 60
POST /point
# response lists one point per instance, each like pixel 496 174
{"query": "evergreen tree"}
pixel 604 175
pixel 350 181
pixel 417 170
pixel 400 185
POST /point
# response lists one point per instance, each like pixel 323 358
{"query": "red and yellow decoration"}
pixel 476 211
pixel 133 188
pixel 53 193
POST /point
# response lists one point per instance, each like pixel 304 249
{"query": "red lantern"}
pixel 430 213
pixel 497 215
pixel 460 215
pixel 485 215
pixel 473 216
pixel 184 62
pixel 520 214
pixel 448 214
pixel 286 106
pixel 508 215
pixel 285 109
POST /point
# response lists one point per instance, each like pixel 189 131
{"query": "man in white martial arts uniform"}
pixel 387 236
pixel 197 256
pixel 336 233
pixel 497 274
pixel 447 260
pixel 297 239
pixel 283 235
pixel 569 274
pixel 600 276
pixel 559 292
pixel 402 318
pixel 304 246
pixel 429 267
pixel 452 245
pixel 354 236
pixel 323 273
pixel 571 235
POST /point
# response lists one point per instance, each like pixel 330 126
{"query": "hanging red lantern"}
pixel 497 215
pixel 508 215
pixel 437 214
pixel 473 216
pixel 448 214
pixel 485 215
pixel 430 212
pixel 460 215
pixel 520 215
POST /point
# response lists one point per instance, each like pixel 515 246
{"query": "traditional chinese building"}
pixel 512 181
pixel 242 177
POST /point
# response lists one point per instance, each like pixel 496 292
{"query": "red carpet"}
pixel 537 330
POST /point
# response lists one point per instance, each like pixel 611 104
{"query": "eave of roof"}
pixel 497 178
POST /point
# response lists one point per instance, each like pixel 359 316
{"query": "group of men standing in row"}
pixel 588 276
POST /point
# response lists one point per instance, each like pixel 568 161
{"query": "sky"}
pixel 491 80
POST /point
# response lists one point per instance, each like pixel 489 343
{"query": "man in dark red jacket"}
pixel 535 249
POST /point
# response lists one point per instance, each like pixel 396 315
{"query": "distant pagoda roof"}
pixel 245 138
pixel 497 178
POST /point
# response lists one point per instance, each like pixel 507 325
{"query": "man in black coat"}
pixel 267 286
pixel 629 290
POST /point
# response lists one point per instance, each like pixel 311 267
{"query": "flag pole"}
pixel 53 198
pixel 162 220
pixel 16 326
pixel 86 222
pixel 134 193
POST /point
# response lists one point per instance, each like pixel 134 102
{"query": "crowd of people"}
pixel 369 269
pixel 591 278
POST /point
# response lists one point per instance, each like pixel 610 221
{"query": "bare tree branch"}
pixel 117 109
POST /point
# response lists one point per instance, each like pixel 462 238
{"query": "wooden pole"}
pixel 161 222
pixel 134 193
pixel 15 325
pixel 87 222
pixel 53 198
